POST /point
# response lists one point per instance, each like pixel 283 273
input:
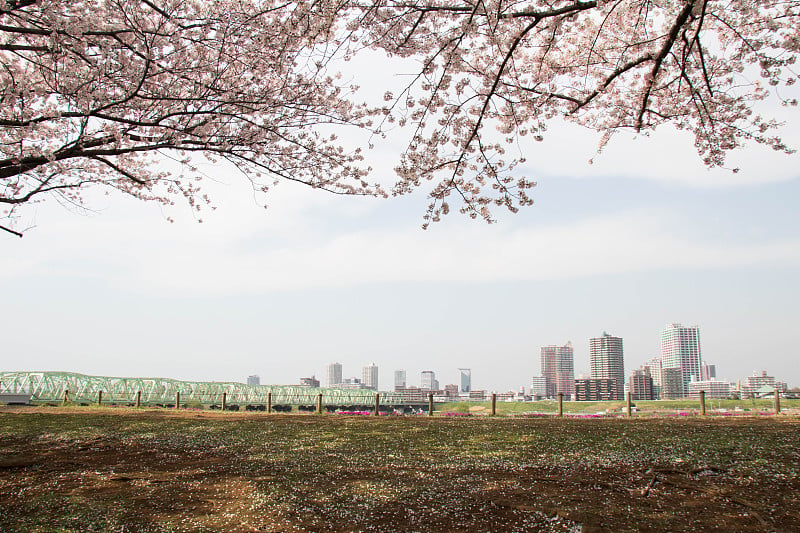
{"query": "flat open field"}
pixel 123 470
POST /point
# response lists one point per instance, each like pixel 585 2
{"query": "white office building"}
pixel 333 374
pixel 369 376
pixel 399 379
pixel 428 380
pixel 466 379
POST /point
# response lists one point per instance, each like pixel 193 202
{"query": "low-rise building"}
pixel 477 395
pixel 712 387
pixel 596 389
pixel 412 394
pixel 312 382
pixel 757 381
pixel 641 386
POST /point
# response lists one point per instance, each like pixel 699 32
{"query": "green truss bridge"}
pixel 52 387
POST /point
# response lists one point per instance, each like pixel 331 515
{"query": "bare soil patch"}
pixel 156 470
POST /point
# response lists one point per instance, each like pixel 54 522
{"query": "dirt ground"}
pixel 157 470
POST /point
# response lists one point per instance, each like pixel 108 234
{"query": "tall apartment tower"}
pixel 369 376
pixel 399 379
pixel 605 356
pixel 680 349
pixel 333 374
pixel 253 380
pixel 466 379
pixel 558 369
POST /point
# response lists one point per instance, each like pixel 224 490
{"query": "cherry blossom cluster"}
pixel 493 71
pixel 96 93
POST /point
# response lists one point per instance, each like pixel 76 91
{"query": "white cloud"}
pixel 633 241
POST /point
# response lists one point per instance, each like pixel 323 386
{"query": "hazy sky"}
pixel 643 237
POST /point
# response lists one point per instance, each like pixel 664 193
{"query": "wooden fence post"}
pixel 494 404
pixel 269 402
pixel 99 397
pixel 560 404
pixel 377 404
pixel 702 403
pixel 430 404
pixel 138 398
pixel 177 399
pixel 224 398
pixel 319 403
pixel 628 407
pixel 66 396
pixel 777 402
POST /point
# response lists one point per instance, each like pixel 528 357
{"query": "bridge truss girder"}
pixel 54 386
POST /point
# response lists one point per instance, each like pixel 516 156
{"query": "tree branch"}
pixel 17 233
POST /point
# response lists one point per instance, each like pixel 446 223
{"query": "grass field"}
pixel 148 470
pixel 749 406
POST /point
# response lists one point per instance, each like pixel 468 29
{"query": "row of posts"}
pixel 629 403
pixel 493 411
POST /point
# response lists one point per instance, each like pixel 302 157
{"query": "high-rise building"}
pixel 369 376
pixel 333 374
pixel 641 386
pixel 606 359
pixel 672 386
pixel 538 387
pixel 680 348
pixel 466 379
pixel 654 367
pixel 558 368
pixel 399 379
pixel 428 380
pixel 709 371
pixel 253 380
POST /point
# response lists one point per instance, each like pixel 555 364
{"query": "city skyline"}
pixel 680 348
pixel 455 374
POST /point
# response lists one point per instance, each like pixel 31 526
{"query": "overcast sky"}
pixel 643 237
